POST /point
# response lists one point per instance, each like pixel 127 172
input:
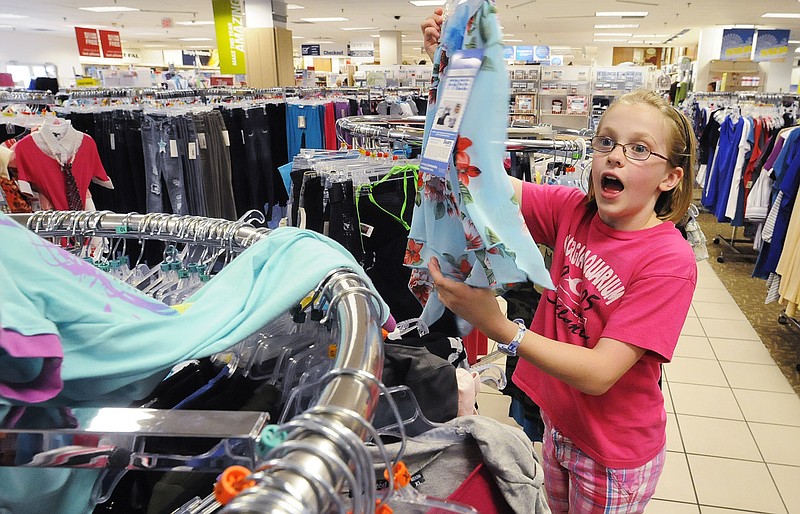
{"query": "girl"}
pixel 624 280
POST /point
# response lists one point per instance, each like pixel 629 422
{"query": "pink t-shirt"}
pixel 44 173
pixel 634 287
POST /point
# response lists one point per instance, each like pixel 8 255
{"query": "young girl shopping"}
pixel 624 280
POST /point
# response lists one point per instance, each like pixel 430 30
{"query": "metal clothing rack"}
pixel 410 129
pixel 735 253
pixel 306 467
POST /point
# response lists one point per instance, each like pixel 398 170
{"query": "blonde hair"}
pixel 673 204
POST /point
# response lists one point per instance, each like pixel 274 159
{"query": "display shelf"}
pixel 565 94
pixel 524 94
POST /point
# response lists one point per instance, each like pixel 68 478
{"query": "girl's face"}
pixel 626 190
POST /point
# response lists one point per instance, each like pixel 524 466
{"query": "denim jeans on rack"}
pixel 260 168
pixel 162 165
pixel 128 178
pixel 233 125
pixel 216 163
pixel 192 165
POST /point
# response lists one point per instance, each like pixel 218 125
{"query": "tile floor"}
pixel 733 432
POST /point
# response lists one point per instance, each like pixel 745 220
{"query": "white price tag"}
pixel 226 138
pixel 113 142
pixel 192 151
pixel 457 86
pixel 173 148
pixel 201 139
pixel 301 122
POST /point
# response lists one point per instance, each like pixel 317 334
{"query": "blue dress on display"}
pixel 469 219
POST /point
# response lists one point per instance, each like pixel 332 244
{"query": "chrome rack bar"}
pixel 409 129
pixel 125 433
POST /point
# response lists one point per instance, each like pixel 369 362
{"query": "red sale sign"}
pixel 111 43
pixel 88 42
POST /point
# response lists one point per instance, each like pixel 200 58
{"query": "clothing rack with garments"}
pixel 25 96
pixel 736 133
pixel 350 306
pixel 307 462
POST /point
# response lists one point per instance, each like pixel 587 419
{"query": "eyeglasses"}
pixel 633 151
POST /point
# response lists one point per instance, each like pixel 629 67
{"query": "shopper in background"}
pixel 624 280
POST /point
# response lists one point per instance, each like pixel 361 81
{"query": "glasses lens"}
pixel 602 144
pixel 637 151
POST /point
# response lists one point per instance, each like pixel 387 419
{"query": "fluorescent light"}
pixel 196 39
pixel 512 35
pixel 610 40
pixel 6 27
pixel 109 8
pixel 611 34
pixel 190 23
pixel 427 3
pixel 622 14
pixel 780 15
pixel 12 16
pixel 794 41
pixel 653 36
pixel 409 41
pixel 512 41
pixel 293 7
pixel 617 26
pixel 358 28
pixel 298 37
pixel 155 46
pixel 374 35
pixel 321 20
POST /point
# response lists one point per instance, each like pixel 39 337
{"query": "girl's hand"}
pixel 431 30
pixel 477 305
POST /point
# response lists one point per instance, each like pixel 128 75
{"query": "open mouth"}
pixel 611 184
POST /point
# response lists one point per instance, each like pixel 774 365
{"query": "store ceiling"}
pixel 559 23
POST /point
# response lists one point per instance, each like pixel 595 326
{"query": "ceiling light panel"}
pixel 617 26
pixel 324 20
pixel 792 15
pixel 621 14
pixel 109 8
pixel 426 3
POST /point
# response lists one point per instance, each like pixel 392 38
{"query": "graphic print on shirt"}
pixel 82 271
pixel 584 281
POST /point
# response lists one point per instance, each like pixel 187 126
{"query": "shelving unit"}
pixel 736 76
pixel 609 83
pixel 524 103
pixel 566 96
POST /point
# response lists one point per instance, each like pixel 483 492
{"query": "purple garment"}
pixel 46 383
pixel 776 151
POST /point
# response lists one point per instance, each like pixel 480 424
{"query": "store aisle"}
pixel 733 431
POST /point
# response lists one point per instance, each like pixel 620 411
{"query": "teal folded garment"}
pixel 119 343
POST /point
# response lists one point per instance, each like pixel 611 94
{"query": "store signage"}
pixel 737 44
pixel 362 48
pixel 229 24
pixel 771 45
pixel 524 53
pixel 508 53
pixel 333 50
pixel 309 50
pixel 196 57
pixel 88 42
pixel 542 53
pixel 111 43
